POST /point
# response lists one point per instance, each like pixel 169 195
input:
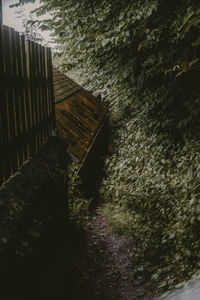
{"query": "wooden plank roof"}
pixel 64 86
pixel 79 114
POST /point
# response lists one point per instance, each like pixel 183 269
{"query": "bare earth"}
pixel 105 265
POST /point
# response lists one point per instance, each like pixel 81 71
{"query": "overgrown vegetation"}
pixel 28 200
pixel 146 54
pixel 78 205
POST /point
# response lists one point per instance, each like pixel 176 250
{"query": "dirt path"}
pixel 105 265
pixel 95 264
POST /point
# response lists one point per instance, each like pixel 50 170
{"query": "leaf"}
pixel 185 66
pixel 105 42
pixel 100 18
pixel 194 22
pixel 140 46
pixel 186 19
pixel 155 277
pixel 196 43
pixel 162 284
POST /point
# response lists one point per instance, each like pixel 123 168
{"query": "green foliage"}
pixel 191 21
pixel 78 205
pixel 146 55
pixel 161 194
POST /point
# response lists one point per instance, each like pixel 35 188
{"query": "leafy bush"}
pixel 160 190
pixel 146 55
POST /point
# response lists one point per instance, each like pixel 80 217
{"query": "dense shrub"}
pixel 146 55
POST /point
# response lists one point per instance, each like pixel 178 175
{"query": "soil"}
pixel 105 264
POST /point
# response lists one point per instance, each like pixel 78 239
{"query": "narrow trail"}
pixel 105 264
pixel 94 264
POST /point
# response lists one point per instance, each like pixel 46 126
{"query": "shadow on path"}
pixel 92 264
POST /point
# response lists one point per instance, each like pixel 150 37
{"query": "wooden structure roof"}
pixel 79 115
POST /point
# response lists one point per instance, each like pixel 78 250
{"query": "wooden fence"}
pixel 27 115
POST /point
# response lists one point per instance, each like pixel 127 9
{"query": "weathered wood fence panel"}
pixel 27 114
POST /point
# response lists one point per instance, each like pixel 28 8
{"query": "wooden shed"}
pixel 79 115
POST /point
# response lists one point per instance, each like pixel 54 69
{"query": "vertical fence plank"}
pixel 28 99
pixel 47 89
pixel 13 102
pixel 17 68
pixel 51 90
pixel 33 99
pixel 2 92
pixel 24 94
pixel 39 92
pixel 7 112
pixel 21 146
pixel 42 92
pixel 31 119
pixel 37 95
